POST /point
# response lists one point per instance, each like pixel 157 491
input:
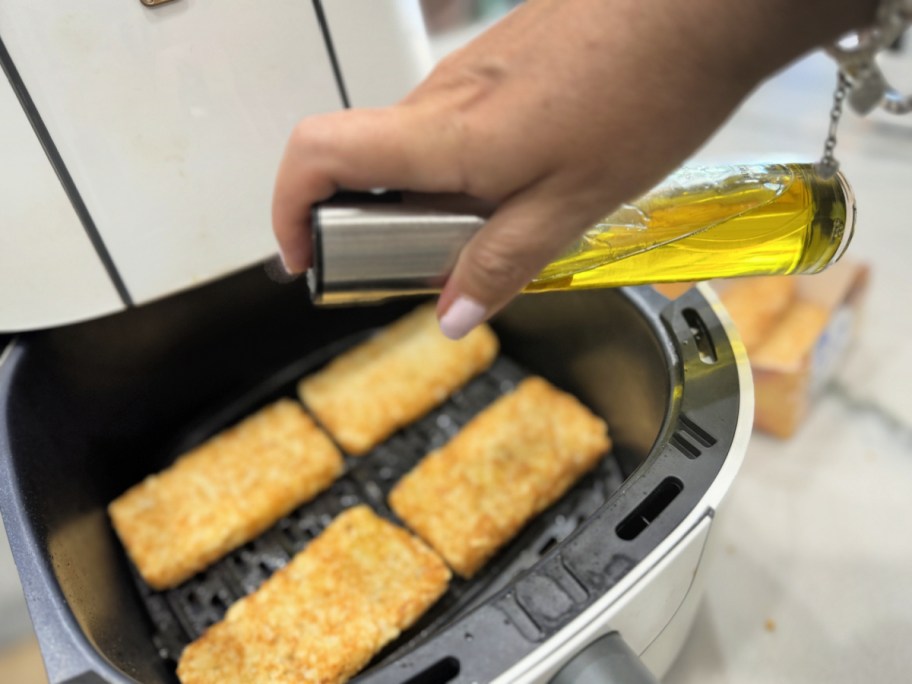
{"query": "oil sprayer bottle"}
pixel 700 223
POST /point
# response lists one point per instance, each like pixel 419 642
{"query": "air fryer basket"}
pixel 88 410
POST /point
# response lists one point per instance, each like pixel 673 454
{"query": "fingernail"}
pixel 285 265
pixel 290 270
pixel 463 315
pixel 277 271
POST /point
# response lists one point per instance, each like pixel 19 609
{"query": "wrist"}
pixel 773 33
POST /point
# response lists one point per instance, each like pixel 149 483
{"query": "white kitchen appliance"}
pixel 140 141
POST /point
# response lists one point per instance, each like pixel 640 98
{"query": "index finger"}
pixel 358 149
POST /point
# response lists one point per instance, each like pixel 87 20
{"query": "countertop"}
pixel 813 581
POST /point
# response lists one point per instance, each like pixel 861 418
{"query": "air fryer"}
pixel 610 572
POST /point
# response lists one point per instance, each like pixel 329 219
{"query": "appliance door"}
pixel 166 125
pixel 48 266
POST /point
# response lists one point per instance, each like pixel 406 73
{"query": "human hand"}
pixel 559 113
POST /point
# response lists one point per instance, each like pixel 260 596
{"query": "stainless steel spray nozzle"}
pixel 368 247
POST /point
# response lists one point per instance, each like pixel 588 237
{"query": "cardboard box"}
pixel 796 330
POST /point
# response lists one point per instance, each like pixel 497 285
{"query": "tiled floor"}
pixel 813 582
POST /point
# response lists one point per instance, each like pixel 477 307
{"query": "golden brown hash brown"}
pixel 224 493
pixel 397 376
pixel 324 616
pixel 509 463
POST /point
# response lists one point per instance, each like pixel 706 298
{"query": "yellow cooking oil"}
pixel 707 223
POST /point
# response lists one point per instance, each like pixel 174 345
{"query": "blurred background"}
pixel 811 582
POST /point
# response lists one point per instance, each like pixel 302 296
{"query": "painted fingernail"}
pixel 463 315
pixel 291 266
pixel 277 272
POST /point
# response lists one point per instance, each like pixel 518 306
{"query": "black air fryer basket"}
pixel 88 410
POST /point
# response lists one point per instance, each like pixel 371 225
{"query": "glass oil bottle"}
pixel 701 223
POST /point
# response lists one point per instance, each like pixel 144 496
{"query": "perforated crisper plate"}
pixel 183 613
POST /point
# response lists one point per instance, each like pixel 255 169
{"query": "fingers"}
pixel 520 239
pixel 398 147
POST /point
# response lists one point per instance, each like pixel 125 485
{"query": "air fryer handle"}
pixel 607 660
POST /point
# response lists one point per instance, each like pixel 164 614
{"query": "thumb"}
pixel 518 241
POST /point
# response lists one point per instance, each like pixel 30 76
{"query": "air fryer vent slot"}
pixel 650 509
pixel 695 431
pixel 684 446
pixel 700 332
pixel 688 435
pixel 443 671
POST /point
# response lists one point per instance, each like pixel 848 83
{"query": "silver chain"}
pixel 861 80
pixel 828 164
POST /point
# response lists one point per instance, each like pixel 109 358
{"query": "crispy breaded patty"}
pixel 224 493
pixel 324 616
pixel 512 461
pixel 408 368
